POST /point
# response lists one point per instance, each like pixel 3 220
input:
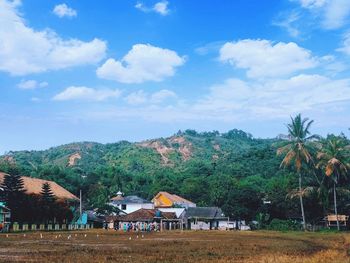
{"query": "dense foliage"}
pixel 231 170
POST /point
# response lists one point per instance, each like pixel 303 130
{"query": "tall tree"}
pixel 48 202
pixel 333 159
pixel 297 151
pixel 13 194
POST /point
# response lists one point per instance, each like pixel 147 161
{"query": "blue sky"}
pixel 131 70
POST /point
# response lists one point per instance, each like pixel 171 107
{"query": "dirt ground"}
pixel 187 246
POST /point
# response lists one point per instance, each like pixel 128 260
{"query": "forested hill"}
pixel 208 168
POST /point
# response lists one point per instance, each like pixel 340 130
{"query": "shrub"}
pixel 283 225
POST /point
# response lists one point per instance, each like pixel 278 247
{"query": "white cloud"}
pixel 136 98
pixel 262 58
pixel 31 84
pixel 24 50
pixel 334 13
pixel 228 96
pixel 312 3
pixel 160 8
pixel 62 10
pixel 345 48
pixel 85 93
pixel 287 22
pixel 235 101
pixel 142 63
pixel 272 98
pixel 162 95
pixel 141 97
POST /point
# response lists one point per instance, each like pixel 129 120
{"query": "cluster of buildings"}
pixel 164 211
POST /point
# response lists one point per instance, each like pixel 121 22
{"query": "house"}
pixel 145 220
pixel 4 217
pixel 165 199
pixel 34 186
pixel 131 203
pixel 205 218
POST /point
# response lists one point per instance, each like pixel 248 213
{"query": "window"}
pixel 123 207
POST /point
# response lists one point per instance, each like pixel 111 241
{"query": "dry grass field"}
pixel 188 246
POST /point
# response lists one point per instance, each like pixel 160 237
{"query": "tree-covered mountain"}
pixel 232 170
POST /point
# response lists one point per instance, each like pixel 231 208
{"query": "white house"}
pixel 131 203
pixel 205 218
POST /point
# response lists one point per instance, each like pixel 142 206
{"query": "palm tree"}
pixel 332 159
pixel 297 151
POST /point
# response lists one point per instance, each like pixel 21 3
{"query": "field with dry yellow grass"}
pixel 187 246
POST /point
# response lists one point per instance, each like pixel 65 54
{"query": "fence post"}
pixel 15 227
pixel 25 227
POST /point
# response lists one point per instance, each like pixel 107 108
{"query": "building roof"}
pixel 130 199
pixel 178 211
pixel 146 215
pixel 117 198
pixel 173 198
pixel 204 212
pixel 34 186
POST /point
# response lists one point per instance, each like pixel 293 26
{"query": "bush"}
pixel 284 225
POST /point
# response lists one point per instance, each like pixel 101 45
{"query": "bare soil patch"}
pixel 187 246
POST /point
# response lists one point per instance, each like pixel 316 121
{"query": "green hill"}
pixel 210 168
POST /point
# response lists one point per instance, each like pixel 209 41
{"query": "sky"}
pixel 111 70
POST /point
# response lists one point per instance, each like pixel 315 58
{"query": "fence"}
pixel 49 227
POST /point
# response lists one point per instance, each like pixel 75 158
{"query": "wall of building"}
pixel 200 225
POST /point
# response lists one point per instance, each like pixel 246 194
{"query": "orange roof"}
pixel 34 185
pixel 174 199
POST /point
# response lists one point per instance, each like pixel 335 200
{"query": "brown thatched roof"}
pixel 34 185
pixel 145 215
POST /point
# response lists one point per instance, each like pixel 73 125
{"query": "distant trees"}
pixel 242 203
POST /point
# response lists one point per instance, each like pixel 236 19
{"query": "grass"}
pixel 188 246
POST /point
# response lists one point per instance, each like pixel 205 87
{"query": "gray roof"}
pixel 131 199
pixel 204 212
